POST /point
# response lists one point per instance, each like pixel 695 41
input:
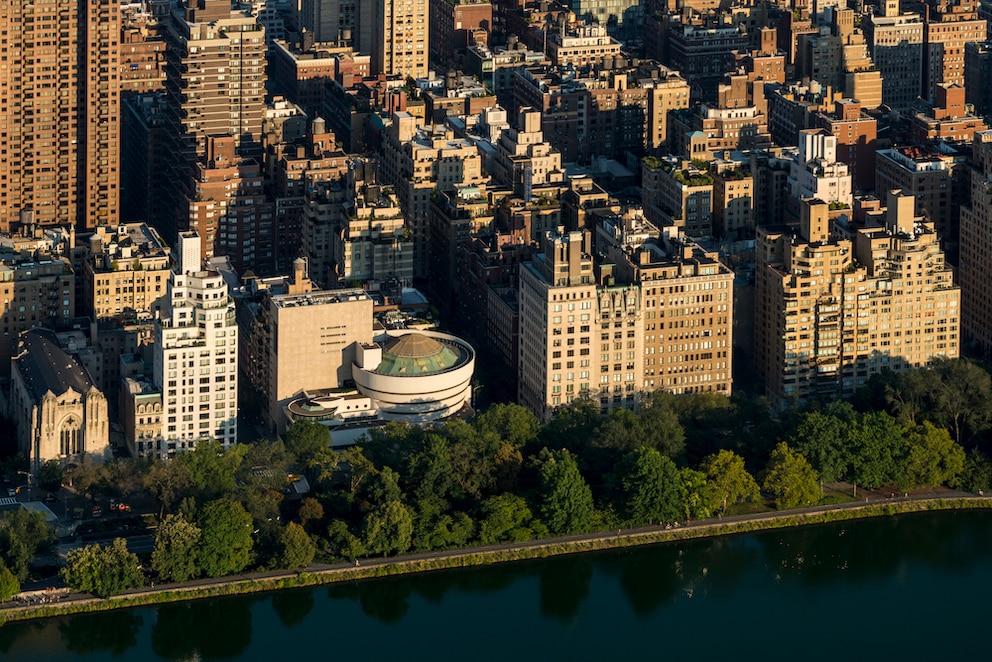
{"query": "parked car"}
pixel 120 507
pixel 97 511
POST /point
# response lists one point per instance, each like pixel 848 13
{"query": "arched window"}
pixel 70 437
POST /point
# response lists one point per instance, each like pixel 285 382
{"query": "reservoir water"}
pixel 907 587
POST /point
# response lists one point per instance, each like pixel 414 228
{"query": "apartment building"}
pixel 580 333
pixel 60 112
pixel 581 44
pixel 687 300
pixel 816 173
pixel 400 38
pixel 937 179
pixel 975 266
pixel 195 356
pixel 977 71
pixel 896 44
pixel 126 271
pixel 836 305
pixel 678 192
pixel 34 292
pixel 950 25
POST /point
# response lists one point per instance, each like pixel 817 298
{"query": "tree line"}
pixel 502 477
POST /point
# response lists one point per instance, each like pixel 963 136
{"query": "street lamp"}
pixel 29 476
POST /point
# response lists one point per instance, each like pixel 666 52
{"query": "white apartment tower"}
pixel 196 354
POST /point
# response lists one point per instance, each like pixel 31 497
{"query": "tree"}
pixel 177 543
pixel 383 486
pixel 430 474
pixel 790 478
pixel 342 542
pixel 212 468
pixel 977 473
pixel 388 529
pixel 103 571
pixel 226 542
pixel 822 438
pixel 296 547
pixel 877 449
pixel 310 511
pixel 727 480
pixel 933 458
pixel 50 475
pixel 23 535
pixel 693 494
pixel 305 439
pixel 473 457
pixel 512 423
pixel 650 486
pixel 566 500
pixel 507 518
pixel 168 481
pixel 9 586
pixel 122 478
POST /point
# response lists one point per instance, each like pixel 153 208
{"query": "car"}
pixel 11 491
pixel 97 511
pixel 120 507
pixel 50 498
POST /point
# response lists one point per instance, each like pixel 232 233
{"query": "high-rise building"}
pixel 687 297
pixel 580 333
pixel 896 44
pixel 836 304
pixel 59 114
pixel 399 38
pixel 977 73
pixel 975 267
pixel 950 25
pixel 215 84
pixel 195 355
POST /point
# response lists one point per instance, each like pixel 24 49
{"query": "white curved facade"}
pixel 425 396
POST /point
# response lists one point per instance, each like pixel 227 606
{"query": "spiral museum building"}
pixel 415 376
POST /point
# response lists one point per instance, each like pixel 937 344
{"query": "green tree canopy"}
pixel 103 571
pixel 305 439
pixel 693 494
pixel 310 511
pixel 177 544
pixel 296 547
pixel 650 486
pixel 727 481
pixel 566 500
pixel 342 543
pixel 790 479
pixel 9 586
pixel 430 474
pixel 226 542
pixel 168 482
pixel 388 529
pixel 877 449
pixel 24 534
pixel 933 458
pixel 512 423
pixel 50 475
pixel 822 437
pixel 212 468
pixel 507 518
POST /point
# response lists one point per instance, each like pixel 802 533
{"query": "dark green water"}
pixel 902 588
